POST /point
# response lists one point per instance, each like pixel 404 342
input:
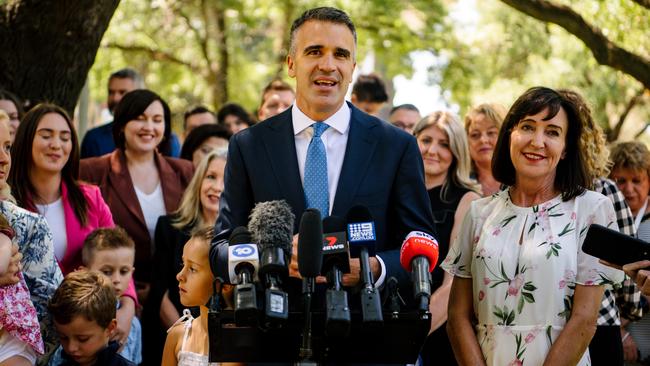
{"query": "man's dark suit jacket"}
pixel 382 170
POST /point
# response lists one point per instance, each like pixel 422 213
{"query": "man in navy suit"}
pixel 369 162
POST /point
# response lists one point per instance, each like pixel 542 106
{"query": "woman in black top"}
pixel 199 208
pixel 443 145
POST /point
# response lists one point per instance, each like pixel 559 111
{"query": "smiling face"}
pixel 195 278
pixel 211 188
pixel 322 63
pixel 483 134
pixel 82 339
pixel 143 134
pixel 436 153
pixel 52 144
pixel 537 146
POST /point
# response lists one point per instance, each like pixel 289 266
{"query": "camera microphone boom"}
pixel 271 224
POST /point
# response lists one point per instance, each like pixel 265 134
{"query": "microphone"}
pixel 243 261
pixel 336 261
pixel 362 239
pixel 310 259
pixel 271 224
pixel 419 255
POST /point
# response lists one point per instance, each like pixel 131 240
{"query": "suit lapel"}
pixel 358 153
pixel 121 181
pixel 280 144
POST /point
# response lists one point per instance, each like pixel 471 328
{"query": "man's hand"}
pixel 637 271
pixel 630 351
pixel 10 277
pixel 125 314
pixel 352 279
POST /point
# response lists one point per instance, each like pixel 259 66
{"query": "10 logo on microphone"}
pixel 361 231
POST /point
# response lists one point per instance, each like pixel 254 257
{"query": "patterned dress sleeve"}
pixel 40 269
pixel 459 259
pixel 590 271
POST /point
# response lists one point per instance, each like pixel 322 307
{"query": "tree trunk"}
pixel 48 46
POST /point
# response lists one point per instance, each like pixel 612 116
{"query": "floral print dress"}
pixel 524 263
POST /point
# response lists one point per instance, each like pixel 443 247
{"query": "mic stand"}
pixel 393 299
pixel 370 301
pixel 245 301
pixel 337 315
pixel 308 287
pixel 422 285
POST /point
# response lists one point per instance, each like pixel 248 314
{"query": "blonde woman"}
pixel 198 209
pixel 445 154
pixel 482 124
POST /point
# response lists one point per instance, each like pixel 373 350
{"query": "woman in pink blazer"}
pixel 46 182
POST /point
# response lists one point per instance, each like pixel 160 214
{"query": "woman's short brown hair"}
pixel 631 155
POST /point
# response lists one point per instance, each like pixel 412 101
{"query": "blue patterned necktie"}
pixel 316 186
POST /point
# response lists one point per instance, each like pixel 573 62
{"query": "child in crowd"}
pixel 111 252
pixel 188 344
pixel 20 333
pixel 84 308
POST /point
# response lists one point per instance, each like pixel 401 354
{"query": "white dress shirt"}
pixel 335 140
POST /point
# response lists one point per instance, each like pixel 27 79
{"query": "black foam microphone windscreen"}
pixel 310 244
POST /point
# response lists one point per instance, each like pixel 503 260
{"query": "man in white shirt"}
pixel 368 162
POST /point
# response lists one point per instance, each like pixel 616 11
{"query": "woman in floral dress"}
pixel 524 293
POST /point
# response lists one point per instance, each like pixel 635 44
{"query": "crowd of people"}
pixel 107 243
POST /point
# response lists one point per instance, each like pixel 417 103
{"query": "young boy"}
pixel 83 308
pixel 112 252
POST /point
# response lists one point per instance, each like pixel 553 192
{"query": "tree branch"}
pixel 616 131
pixel 644 3
pixel 641 131
pixel 605 51
pixel 154 54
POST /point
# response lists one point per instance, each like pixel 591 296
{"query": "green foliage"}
pixel 175 43
pixel 510 52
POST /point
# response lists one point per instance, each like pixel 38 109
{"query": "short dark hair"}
pixel 196 110
pixel 571 176
pixel 104 239
pixel 198 135
pixel 323 14
pixel 84 293
pixel 370 88
pixel 235 110
pixel 132 105
pixel 21 151
pixel 407 106
pixel 7 95
pixel 128 73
